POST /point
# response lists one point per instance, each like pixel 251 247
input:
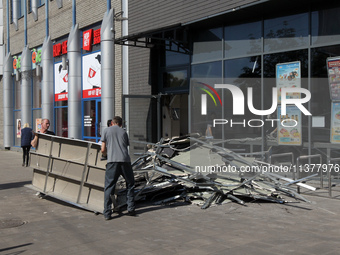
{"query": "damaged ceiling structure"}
pixel 189 168
pixel 196 171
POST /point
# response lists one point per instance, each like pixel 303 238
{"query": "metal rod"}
pixel 108 3
pixel 25 21
pixel 8 40
pixel 74 12
pixel 47 17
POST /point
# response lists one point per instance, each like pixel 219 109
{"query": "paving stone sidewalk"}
pixel 30 225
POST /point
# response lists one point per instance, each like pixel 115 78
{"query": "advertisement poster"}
pixel 333 68
pixel 18 128
pixel 38 125
pixel 60 82
pixel 289 127
pixel 335 123
pixel 92 75
pixel 288 75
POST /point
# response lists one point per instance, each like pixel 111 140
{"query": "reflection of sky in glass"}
pixel 286 32
pixel 179 74
pixel 297 23
pixel 208 70
pixel 174 58
pixel 235 68
pixel 208 45
pixel 325 26
pixel 242 39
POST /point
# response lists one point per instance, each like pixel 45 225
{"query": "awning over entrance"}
pixel 173 37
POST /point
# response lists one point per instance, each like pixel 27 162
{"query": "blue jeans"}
pixel 113 171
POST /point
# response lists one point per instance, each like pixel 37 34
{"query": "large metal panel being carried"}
pixel 69 170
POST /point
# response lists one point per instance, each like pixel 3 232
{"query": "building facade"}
pixel 179 47
pixel 55 66
pixel 169 56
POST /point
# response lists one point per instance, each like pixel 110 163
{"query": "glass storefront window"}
pixel 269 72
pixel 17 95
pixel 320 99
pixel 243 67
pixel 244 73
pixel 173 58
pixel 17 128
pixel 325 26
pixel 61 103
pixel 36 91
pixel 242 39
pixel 207 70
pixel 207 45
pixel 61 122
pixel 92 119
pixel 209 73
pixel 284 33
pixel 175 79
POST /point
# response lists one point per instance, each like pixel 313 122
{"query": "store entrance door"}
pixel 91 120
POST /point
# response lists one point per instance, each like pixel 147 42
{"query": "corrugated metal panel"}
pixel 152 14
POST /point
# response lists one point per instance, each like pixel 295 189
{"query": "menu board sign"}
pixel 335 123
pixel 333 68
pixel 289 127
pixel 288 75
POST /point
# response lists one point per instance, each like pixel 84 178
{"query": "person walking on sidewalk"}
pixel 115 142
pixel 26 138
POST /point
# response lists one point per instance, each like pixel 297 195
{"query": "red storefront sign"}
pixel 61 97
pixel 96 36
pixel 59 49
pixel 90 37
pixel 87 39
pixel 96 92
pixel 64 47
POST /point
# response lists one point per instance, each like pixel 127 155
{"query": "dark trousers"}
pixel 113 171
pixel 25 154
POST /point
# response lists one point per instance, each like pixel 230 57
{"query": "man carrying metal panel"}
pixel 115 142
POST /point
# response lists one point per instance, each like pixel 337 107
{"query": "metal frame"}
pixel 69 170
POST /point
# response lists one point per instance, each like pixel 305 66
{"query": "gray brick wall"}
pixel 60 22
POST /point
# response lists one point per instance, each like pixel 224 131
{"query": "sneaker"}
pixel 132 213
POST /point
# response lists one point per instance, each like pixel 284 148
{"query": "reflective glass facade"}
pixel 246 54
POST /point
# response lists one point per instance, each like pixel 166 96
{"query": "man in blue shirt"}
pixel 115 142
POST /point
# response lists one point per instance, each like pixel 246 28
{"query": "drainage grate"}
pixel 11 223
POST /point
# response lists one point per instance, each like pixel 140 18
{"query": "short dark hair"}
pixel 118 120
pixel 109 122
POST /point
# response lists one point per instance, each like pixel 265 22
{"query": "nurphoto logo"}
pixel 238 104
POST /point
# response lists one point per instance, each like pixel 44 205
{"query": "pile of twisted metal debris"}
pixel 190 168
pixel 197 171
